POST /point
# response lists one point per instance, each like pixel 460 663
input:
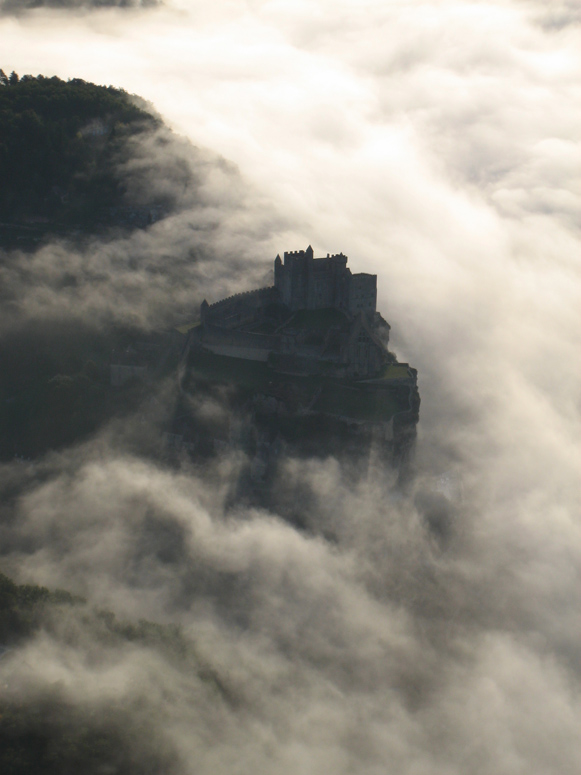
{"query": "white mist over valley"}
pixel 427 630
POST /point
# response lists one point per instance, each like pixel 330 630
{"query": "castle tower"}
pixel 278 275
pixel 306 282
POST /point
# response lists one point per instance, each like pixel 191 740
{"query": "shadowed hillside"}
pixel 63 145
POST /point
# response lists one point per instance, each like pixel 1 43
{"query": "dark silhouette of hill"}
pixel 77 160
pixel 20 6
pixel 62 148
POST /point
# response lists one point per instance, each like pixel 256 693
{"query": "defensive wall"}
pixel 237 309
pixel 236 344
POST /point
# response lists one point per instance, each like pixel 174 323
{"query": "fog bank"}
pixel 430 631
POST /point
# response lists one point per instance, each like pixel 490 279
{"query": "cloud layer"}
pixel 434 631
pixel 380 642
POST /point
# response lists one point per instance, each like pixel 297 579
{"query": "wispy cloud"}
pixel 212 239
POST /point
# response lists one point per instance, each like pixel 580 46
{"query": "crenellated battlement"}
pixel 239 308
pixel 306 282
pixel 242 294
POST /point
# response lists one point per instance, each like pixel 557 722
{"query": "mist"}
pixel 348 625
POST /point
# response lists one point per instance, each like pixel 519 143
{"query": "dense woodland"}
pixel 61 145
pixel 62 149
pixel 55 387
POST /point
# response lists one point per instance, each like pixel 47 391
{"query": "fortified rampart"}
pixel 301 282
pixel 236 344
pixel 310 354
pixel 236 310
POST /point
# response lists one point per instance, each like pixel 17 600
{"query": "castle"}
pixel 317 318
pixel 310 349
pixel 306 282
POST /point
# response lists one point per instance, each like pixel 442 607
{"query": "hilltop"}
pixel 76 160
pixel 64 148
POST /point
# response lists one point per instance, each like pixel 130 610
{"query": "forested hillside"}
pixel 79 168
pixel 84 170
pixel 62 149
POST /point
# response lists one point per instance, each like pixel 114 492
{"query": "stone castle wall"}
pixel 363 293
pixel 306 282
pixel 236 344
pixel 236 310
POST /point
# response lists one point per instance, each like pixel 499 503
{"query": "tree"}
pixel 13 80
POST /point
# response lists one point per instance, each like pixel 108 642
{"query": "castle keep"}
pixel 305 282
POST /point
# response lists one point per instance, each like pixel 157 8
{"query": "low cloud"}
pixel 211 239
pixel 348 625
pixel 362 638
pixel 558 16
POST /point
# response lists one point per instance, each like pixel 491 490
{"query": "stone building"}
pixel 307 360
pixel 318 318
pixel 306 282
